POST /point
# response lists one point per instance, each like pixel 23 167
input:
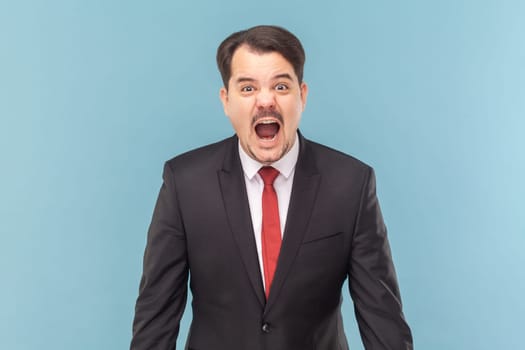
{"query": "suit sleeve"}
pixel 163 286
pixel 372 279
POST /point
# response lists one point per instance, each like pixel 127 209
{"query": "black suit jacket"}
pixel 201 230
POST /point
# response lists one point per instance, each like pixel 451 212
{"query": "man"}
pixel 268 225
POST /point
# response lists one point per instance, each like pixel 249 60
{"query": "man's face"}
pixel 264 102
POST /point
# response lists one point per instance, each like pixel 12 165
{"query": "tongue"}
pixel 267 131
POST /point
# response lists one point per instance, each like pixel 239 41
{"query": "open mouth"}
pixel 267 129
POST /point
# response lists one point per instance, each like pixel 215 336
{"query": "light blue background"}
pixel 95 95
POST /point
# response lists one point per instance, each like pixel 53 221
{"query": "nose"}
pixel 265 98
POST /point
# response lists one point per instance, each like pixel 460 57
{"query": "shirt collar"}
pixel 285 165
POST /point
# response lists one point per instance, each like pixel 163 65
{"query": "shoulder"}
pixel 342 176
pixel 202 159
pixel 330 160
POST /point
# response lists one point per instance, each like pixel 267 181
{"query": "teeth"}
pixel 267 122
pixel 267 139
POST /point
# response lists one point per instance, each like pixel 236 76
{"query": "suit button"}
pixel 265 328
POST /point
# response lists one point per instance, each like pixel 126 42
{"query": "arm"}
pixel 372 279
pixel 163 287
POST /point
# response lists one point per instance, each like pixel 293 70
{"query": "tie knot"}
pixel 268 174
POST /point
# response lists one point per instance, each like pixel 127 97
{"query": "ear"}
pixel 304 94
pixel 224 99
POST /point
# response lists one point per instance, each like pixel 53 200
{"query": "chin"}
pixel 268 157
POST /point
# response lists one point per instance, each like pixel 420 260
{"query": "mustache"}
pixel 267 113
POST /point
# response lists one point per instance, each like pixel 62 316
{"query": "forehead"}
pixel 253 64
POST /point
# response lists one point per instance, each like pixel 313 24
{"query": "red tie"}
pixel 271 227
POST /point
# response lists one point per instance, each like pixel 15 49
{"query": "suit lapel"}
pixel 304 191
pixel 233 188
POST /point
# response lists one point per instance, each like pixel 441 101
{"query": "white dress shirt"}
pixel 255 185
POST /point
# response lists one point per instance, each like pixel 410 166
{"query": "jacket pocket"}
pixel 316 238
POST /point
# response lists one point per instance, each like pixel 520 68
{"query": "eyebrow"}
pixel 251 80
pixel 284 75
pixel 244 79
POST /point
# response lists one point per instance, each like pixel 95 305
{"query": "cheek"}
pixel 294 112
pixel 239 107
pixel 240 120
pixel 242 115
pixel 293 105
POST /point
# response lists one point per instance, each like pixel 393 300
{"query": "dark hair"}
pixel 261 39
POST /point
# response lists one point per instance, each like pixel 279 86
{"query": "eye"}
pixel 281 87
pixel 247 88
